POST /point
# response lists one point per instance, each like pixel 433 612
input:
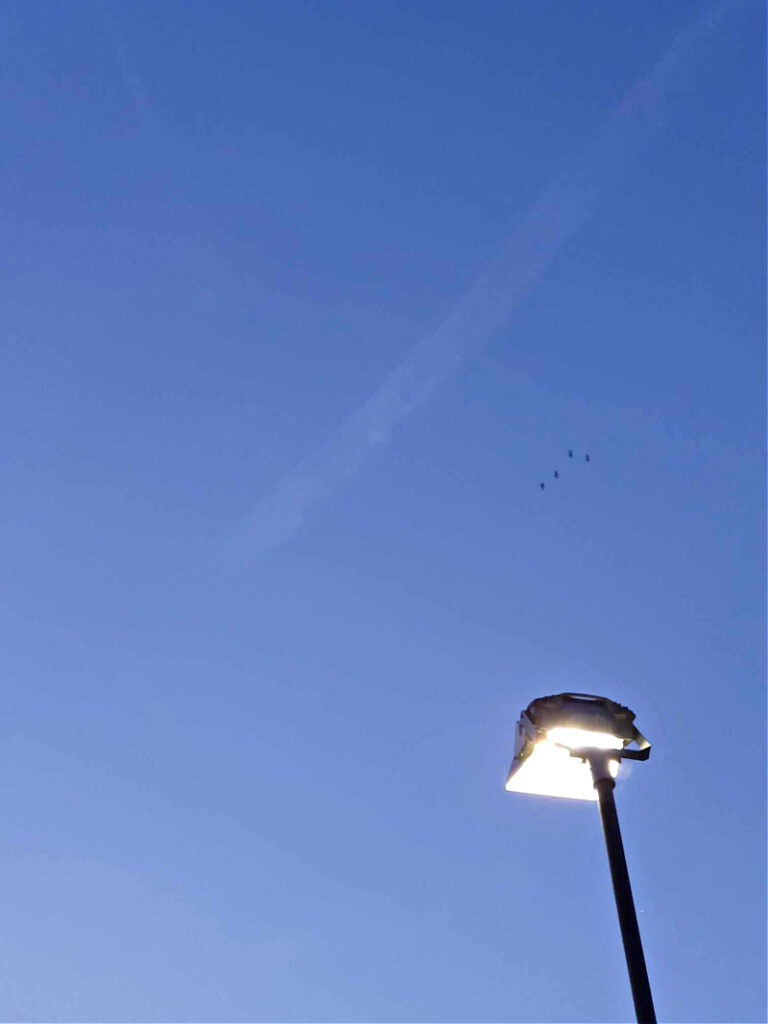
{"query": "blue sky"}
pixel 302 301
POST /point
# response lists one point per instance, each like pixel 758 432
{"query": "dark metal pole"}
pixel 630 932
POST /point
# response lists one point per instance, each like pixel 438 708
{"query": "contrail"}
pixel 145 111
pixel 564 206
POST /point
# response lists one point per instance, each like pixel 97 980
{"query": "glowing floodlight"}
pixel 571 745
pixel 552 728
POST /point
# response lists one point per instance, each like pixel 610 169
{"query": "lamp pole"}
pixel 622 890
pixel 598 732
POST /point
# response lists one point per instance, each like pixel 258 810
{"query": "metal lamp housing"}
pixel 552 728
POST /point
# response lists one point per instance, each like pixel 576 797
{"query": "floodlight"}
pixel 551 728
pixel 571 745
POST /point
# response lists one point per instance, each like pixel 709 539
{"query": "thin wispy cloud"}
pixel 564 206
pixel 139 101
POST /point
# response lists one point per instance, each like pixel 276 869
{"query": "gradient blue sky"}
pixel 278 576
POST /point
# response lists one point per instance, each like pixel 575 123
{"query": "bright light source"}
pixel 570 745
pixel 575 738
pixel 551 727
pixel 549 770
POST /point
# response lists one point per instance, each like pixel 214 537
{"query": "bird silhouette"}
pixel 571 455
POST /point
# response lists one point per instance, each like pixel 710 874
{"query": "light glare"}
pixel 549 770
pixel 575 738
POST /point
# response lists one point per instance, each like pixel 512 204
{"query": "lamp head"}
pixel 551 728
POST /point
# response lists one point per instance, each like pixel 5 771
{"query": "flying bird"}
pixel 571 455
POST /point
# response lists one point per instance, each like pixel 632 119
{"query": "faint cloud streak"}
pixel 564 206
